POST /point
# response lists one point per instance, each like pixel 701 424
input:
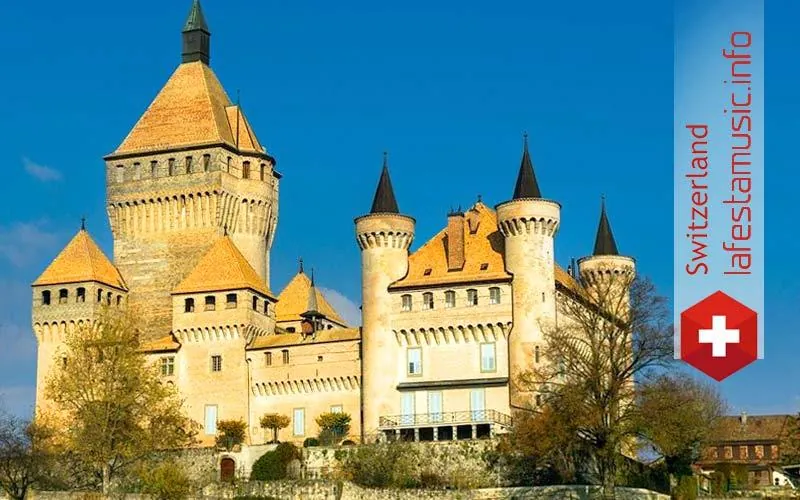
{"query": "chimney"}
pixel 455 241
pixel 743 418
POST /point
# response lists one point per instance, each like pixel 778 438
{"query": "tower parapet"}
pixel 384 237
pixel 529 224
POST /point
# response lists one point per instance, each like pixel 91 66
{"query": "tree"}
pixel 115 410
pixel 678 416
pixel 609 332
pixel 231 433
pixel 333 427
pixel 25 456
pixel 274 422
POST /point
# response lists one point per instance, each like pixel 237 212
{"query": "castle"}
pixel 192 201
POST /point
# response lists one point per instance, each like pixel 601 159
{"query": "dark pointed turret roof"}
pixel 526 186
pixel 195 21
pixel 604 243
pixel 384 201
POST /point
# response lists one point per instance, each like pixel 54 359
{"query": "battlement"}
pixel 526 216
pixel 384 230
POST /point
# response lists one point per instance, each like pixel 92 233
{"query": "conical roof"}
pixel 604 243
pixel 384 201
pixel 81 260
pixel 297 297
pixel 526 186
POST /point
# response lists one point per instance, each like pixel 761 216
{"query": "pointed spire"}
pixel 604 243
pixel 526 186
pixel 301 265
pixel 83 223
pixel 196 36
pixel 384 201
pixel 312 309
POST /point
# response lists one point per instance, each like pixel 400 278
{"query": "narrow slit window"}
pixel 206 163
pixel 188 164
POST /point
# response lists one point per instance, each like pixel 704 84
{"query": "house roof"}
pixel 753 428
pixel 81 260
pixel 163 344
pixel 292 339
pixel 192 109
pixel 484 256
pixel 294 300
pixel 223 267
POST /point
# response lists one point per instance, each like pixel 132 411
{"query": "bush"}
pixel 686 489
pixel 348 442
pixel 383 466
pixel 274 422
pixel 309 442
pixel 272 464
pixel 231 433
pixel 333 427
pixel 166 481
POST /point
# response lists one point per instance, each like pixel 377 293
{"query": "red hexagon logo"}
pixel 719 336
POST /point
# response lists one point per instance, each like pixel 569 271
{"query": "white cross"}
pixel 719 336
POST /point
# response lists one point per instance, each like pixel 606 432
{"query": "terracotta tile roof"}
pixel 191 109
pixel 290 339
pixel 293 301
pixel 484 256
pixel 755 428
pixel 247 138
pixel 223 267
pixel 164 344
pixel 81 260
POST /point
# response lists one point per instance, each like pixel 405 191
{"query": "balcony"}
pixel 472 424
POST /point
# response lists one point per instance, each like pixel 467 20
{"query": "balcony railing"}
pixel 445 418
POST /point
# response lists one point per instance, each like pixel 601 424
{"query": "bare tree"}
pixel 613 330
pixel 113 408
pixel 25 458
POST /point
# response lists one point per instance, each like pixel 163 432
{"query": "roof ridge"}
pixel 206 75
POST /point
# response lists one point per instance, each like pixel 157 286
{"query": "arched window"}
pixel 188 305
pixel 427 300
pixel 99 295
pixel 81 295
pixel 406 302
pixel 449 299
pixel 231 301
pixel 494 295
pixel 211 302
pixel 46 298
pixel 63 294
pixel 472 297
pixel 108 298
pixel 119 300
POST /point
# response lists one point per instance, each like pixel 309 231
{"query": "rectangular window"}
pixel 268 359
pixel 168 366
pixel 81 295
pixel 171 166
pixel 211 303
pixel 153 168
pixel 427 300
pixel 63 294
pixel 188 305
pixel 46 297
pixel 407 408
pixel 299 422
pixel 435 406
pixel 285 353
pixel 449 299
pixel 263 171
pixel 188 164
pixel 255 303
pixel 488 361
pixel 137 170
pixel 337 409
pixel 472 297
pixel 477 404
pixel 230 301
pixel 211 420
pixel 216 363
pixel 120 173
pixel 406 302
pixel 206 163
pixel 494 295
pixel 414 358
pixel 246 170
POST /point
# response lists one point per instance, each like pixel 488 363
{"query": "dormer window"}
pixel 427 272
pixel 188 305
pixel 484 266
pixel 188 164
pixel 231 301
pixel 46 298
pixel 206 163
pixel 63 294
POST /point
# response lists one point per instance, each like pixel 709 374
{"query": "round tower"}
pixel 606 274
pixel 384 237
pixel 529 224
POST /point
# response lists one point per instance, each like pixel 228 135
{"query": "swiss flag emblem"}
pixel 719 336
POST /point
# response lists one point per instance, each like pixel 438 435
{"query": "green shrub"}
pixel 166 481
pixel 686 489
pixel 272 464
pixel 333 427
pixel 383 466
pixel 309 442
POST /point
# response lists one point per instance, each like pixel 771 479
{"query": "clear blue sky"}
pixel 447 87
